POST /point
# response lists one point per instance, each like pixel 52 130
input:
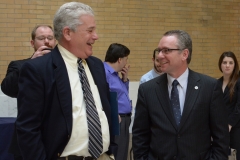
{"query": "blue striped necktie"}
pixel 175 102
pixel 95 145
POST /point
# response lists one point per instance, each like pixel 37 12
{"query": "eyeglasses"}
pixel 42 38
pixel 166 50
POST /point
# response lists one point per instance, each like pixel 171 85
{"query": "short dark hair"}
pixel 184 41
pixel 35 29
pixel 116 51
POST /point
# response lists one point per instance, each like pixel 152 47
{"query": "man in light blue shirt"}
pixel 116 62
pixel 155 72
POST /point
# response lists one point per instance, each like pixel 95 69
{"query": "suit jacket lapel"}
pixel 63 87
pixel 193 88
pixel 163 96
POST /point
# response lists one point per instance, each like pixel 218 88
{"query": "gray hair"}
pixel 68 15
pixel 184 41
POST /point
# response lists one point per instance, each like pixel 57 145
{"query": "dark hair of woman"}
pixel 235 74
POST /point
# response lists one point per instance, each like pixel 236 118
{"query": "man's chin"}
pixel 88 54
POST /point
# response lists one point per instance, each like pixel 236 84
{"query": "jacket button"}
pixel 175 157
pixel 178 136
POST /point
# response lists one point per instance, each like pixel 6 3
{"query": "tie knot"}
pixel 175 83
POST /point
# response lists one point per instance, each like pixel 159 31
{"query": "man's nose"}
pixel 95 36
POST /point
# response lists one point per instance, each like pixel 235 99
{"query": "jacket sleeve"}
pixel 218 125
pixel 9 84
pixel 141 128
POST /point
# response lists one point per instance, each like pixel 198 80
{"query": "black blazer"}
pixel 44 122
pixel 233 107
pixel 9 84
pixel 156 135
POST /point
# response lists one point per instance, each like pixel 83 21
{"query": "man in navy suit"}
pixel 178 113
pixel 52 119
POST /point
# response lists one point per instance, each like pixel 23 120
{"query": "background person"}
pixel 42 38
pixel 178 112
pixel 155 72
pixel 230 84
pixel 57 90
pixel 116 62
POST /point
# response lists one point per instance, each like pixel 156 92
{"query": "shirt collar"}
pixel 67 56
pixel 109 68
pixel 182 80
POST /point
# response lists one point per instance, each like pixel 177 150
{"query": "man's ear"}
pixel 119 60
pixel 67 33
pixel 32 43
pixel 185 54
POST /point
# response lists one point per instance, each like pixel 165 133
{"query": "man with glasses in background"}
pixel 156 71
pixel 179 112
pixel 43 41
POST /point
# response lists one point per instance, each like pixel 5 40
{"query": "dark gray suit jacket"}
pixel 156 135
pixel 44 122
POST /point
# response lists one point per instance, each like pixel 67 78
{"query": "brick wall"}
pixel 139 24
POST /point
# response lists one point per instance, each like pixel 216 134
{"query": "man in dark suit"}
pixel 178 113
pixel 53 119
pixel 42 40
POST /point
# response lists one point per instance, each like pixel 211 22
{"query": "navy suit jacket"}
pixel 44 122
pixel 156 135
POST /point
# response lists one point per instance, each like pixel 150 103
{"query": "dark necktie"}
pixel 175 102
pixel 95 145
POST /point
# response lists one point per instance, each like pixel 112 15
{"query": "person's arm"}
pixel 218 126
pixel 124 73
pixel 234 117
pixel 9 84
pixel 30 113
pixel 141 128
